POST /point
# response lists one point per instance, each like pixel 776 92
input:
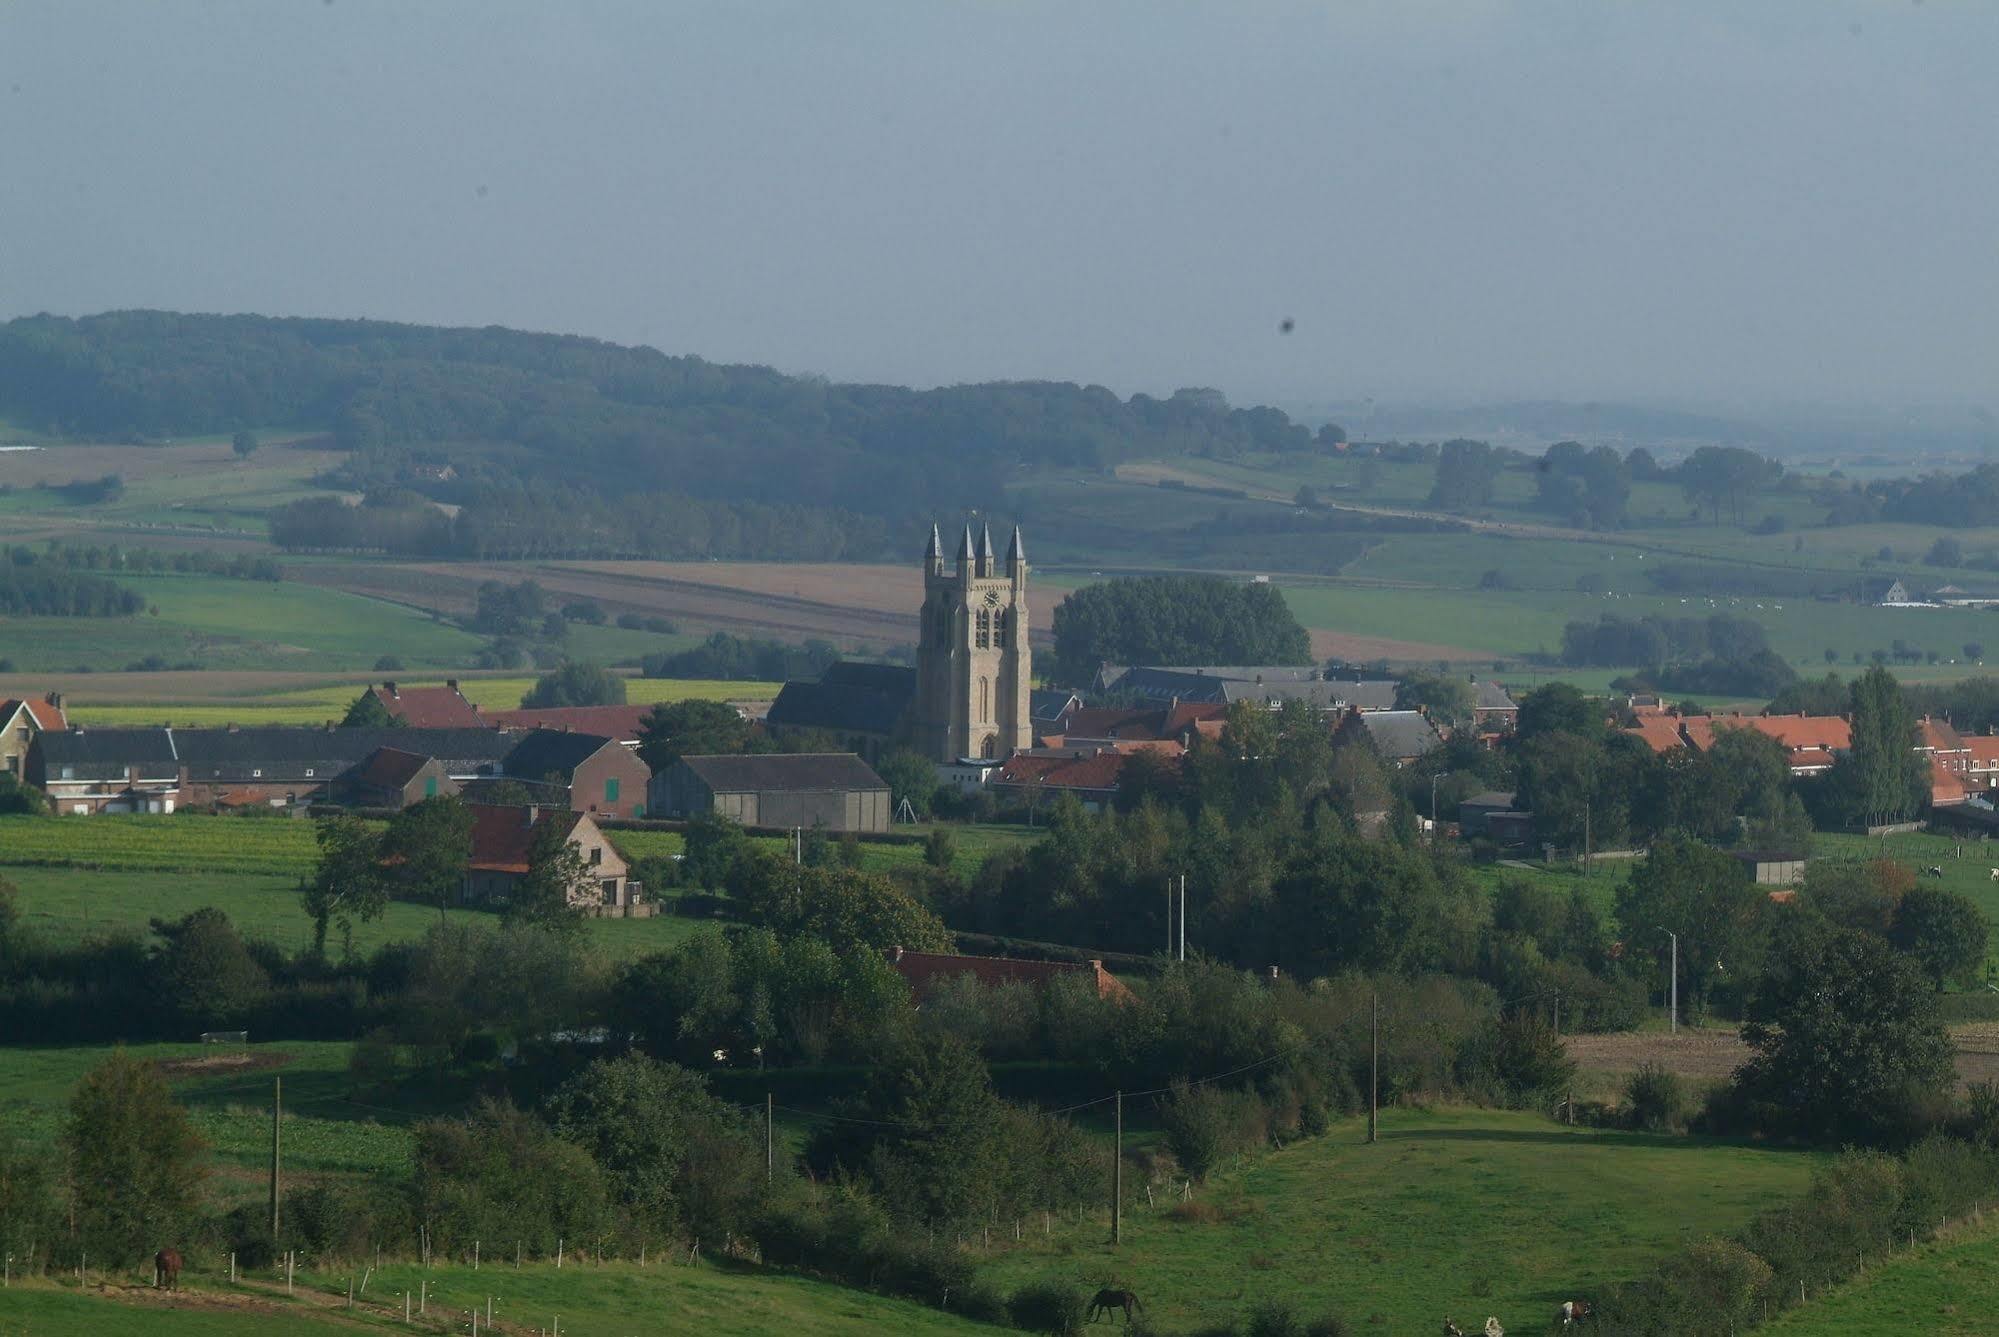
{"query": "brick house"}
pixel 85 771
pixel 588 772
pixel 20 721
pixel 503 838
pixel 390 777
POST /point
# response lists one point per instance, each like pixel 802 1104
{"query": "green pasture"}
pixel 1455 1212
pixel 43 1309
pixel 1967 863
pixel 1943 1288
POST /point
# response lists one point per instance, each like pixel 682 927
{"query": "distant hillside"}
pixel 507 410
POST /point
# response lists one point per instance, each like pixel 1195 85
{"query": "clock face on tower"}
pixel 992 598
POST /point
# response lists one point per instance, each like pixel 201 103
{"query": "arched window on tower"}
pixel 989 748
pixel 985 638
pixel 985 700
pixel 944 622
pixel 1000 619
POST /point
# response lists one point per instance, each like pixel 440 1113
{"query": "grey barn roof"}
pixel 103 754
pixel 1492 696
pixel 1400 733
pixel 815 772
pixel 212 753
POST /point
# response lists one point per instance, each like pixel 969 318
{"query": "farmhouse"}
pixel 836 790
pixel 1109 727
pixel 1809 741
pixel 1090 777
pixel 390 777
pixel 106 770
pixel 586 772
pixel 928 971
pixel 20 721
pixel 503 841
pixel 1398 736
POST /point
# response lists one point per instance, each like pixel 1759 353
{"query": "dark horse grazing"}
pixel 1108 1300
pixel 166 1269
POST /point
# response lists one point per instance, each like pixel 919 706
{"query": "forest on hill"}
pixel 507 410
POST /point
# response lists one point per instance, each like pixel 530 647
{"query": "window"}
pixel 308 772
pixel 989 749
pixel 610 891
pixel 611 790
pixel 256 774
pixel 985 636
pixel 985 702
pixel 430 786
pixel 596 855
pixel 999 629
pixel 69 773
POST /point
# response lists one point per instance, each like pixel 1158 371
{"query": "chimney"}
pixel 1273 974
pixel 390 688
pixel 452 683
pixel 530 814
pixel 895 953
pixel 54 699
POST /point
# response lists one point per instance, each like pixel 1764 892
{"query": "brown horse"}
pixel 166 1269
pixel 1108 1300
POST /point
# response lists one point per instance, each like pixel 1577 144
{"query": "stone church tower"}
pixel 973 667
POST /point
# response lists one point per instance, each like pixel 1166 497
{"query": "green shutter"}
pixel 430 786
pixel 611 790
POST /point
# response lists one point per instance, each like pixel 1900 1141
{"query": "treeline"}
pixel 501 405
pixel 1174 620
pixel 744 659
pixel 32 586
pixel 146 561
pixel 517 524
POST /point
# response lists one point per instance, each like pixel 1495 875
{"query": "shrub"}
pixel 1656 1098
pixel 1274 1318
pixel 1047 1306
pixel 1205 1126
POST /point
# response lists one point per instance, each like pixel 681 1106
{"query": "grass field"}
pixel 1455 1212
pixel 1970 875
pixel 1944 1288
pixel 593 1301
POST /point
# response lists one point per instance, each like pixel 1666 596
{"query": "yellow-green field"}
pixel 315 705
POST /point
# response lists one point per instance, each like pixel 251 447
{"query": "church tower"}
pixel 973 667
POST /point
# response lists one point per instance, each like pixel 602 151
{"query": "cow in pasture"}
pixel 1571 1311
pixel 1110 1300
pixel 1452 1330
pixel 166 1270
pixel 1933 871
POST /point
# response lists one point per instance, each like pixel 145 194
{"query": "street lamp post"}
pixel 1674 1005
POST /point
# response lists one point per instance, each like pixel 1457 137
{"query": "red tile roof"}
pixel 1099 771
pixel 1660 732
pixel 619 722
pixel 926 970
pixel 1938 736
pixel 1797 733
pixel 1945 786
pixel 502 836
pixel 1158 722
pixel 429 707
pixel 46 714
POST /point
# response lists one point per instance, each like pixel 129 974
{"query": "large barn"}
pixel 836 790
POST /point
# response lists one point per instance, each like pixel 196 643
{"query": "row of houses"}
pixel 1962 766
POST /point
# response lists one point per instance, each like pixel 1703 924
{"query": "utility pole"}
pixel 277 1118
pixel 1374 1070
pixel 1169 918
pixel 1674 1005
pixel 1183 916
pixel 1117 1178
pixel 1586 835
pixel 770 1142
pixel 1433 808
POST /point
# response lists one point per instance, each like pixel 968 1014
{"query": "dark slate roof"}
pixel 388 768
pixel 1047 705
pixel 211 754
pixel 103 754
pixel 1324 695
pixel 547 752
pixel 1367 694
pixel 819 705
pixel 1493 696
pixel 801 772
pixel 1212 682
pixel 890 679
pixel 1499 800
pixel 1400 733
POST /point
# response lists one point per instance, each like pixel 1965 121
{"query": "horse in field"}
pixel 166 1269
pixel 1109 1300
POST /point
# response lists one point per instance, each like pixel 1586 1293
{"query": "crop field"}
pixel 249 698
pixel 1944 1288
pixel 1455 1212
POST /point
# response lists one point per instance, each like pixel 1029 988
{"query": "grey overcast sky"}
pixel 1785 199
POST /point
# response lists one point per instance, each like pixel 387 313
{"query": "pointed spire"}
pixel 985 549
pixel 965 548
pixel 1016 551
pixel 934 554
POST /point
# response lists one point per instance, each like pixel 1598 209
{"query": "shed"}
pixel 836 790
pixel 1767 869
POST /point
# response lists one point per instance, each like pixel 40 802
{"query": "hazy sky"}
pixel 1777 198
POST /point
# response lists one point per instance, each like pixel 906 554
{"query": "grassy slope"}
pixel 1456 1212
pixel 1948 1288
